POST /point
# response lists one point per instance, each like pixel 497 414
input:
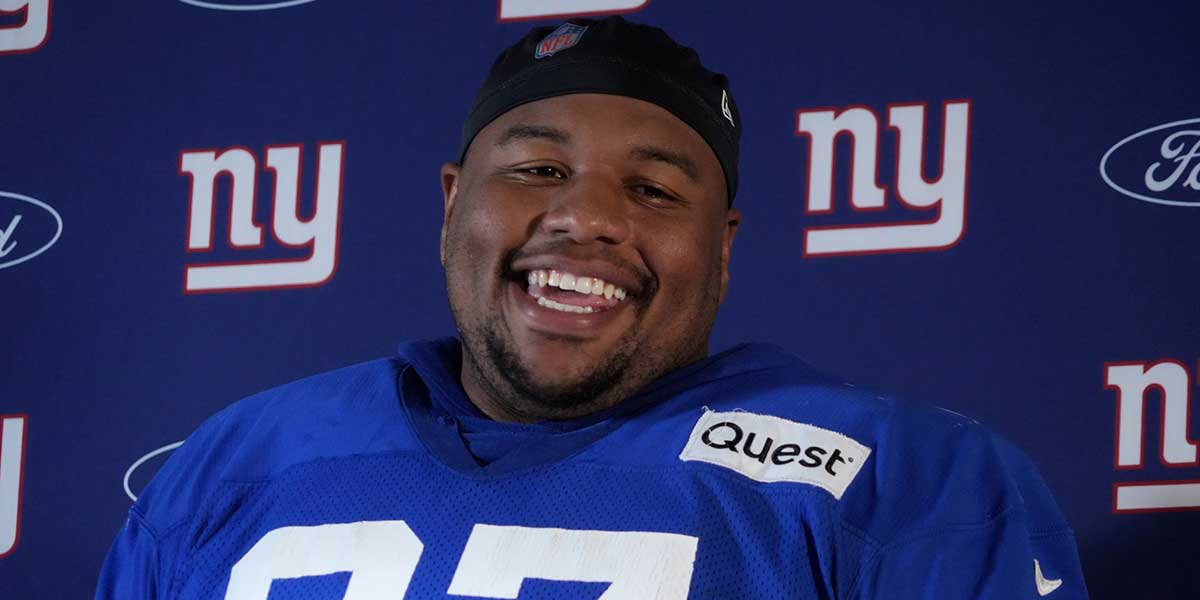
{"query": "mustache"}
pixel 647 280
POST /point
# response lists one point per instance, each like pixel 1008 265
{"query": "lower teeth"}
pixel 583 310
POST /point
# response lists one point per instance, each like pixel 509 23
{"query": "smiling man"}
pixel 586 246
pixel 578 440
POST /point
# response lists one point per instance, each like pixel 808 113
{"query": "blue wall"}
pixel 1041 272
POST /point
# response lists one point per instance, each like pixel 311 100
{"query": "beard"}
pixel 510 381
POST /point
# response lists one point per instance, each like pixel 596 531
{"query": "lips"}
pixel 558 318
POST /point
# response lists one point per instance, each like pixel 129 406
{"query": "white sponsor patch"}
pixel 770 449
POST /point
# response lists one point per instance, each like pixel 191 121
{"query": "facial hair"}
pixel 510 382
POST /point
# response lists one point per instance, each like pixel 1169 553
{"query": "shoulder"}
pixel 337 413
pixel 916 467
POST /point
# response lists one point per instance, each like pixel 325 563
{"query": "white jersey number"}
pixel 382 556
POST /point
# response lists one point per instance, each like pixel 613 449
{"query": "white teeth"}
pixel 574 283
pixel 583 310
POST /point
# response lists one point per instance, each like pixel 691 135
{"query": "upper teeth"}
pixel 576 283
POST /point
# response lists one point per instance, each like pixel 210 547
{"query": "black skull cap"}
pixel 612 56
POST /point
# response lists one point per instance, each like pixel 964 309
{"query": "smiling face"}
pixel 586 243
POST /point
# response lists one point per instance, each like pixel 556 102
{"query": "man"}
pixel 580 441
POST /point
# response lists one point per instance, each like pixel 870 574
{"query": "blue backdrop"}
pixel 1051 151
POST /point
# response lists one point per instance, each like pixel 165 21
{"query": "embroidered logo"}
pixel 725 110
pixel 771 449
pixel 1044 586
pixel 567 35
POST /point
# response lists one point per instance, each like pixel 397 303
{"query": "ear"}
pixel 733 218
pixel 450 175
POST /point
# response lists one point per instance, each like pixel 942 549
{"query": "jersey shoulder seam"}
pixel 884 549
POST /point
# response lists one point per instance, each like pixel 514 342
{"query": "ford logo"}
pixel 141 461
pixel 1160 164
pixel 228 5
pixel 24 225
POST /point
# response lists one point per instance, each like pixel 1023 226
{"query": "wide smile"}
pixel 568 292
pixel 568 304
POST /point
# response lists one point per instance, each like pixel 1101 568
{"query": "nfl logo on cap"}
pixel 567 35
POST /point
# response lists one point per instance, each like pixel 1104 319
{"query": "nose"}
pixel 591 208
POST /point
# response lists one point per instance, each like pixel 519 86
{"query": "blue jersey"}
pixel 746 475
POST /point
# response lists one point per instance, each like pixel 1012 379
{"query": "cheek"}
pixel 684 262
pixel 482 231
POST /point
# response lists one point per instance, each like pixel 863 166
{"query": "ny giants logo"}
pixel 12 465
pixel 525 10
pixel 1132 382
pixel 944 197
pixel 24 25
pixel 318 234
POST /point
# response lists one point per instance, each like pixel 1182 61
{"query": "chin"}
pixel 556 376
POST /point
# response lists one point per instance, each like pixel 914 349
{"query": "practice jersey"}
pixel 745 475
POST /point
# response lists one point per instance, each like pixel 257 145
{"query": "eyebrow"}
pixel 676 159
pixel 525 131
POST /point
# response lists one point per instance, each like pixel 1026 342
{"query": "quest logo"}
pixel 771 449
pixel 24 25
pixel 28 227
pixel 244 6
pixel 1160 165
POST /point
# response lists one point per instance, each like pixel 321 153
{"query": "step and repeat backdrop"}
pixel 996 211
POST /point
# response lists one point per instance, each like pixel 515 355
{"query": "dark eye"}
pixel 652 192
pixel 544 171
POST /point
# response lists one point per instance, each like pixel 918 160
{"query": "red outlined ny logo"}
pixel 318 234
pixel 523 10
pixel 1132 382
pixel 945 197
pixel 12 466
pixel 24 25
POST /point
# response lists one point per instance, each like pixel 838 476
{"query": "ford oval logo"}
pixel 1160 164
pixel 28 227
pixel 228 5
pixel 143 460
